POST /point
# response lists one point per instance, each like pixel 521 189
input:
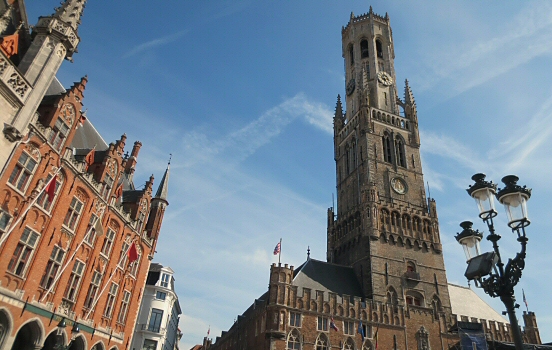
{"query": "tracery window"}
pixel 294 340
pixel 349 344
pixel 322 342
pixel 400 152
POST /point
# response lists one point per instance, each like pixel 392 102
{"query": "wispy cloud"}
pixel 472 63
pixel 155 42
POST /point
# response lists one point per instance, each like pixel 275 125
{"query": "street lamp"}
pixel 60 327
pixel 487 270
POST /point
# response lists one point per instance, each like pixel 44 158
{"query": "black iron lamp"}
pixel 487 270
pixel 60 328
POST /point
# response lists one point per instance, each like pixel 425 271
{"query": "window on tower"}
pixel 379 49
pixel 352 54
pixel 386 148
pixel 364 48
pixel 400 154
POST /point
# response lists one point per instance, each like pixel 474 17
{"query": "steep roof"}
pixel 465 302
pixel 327 277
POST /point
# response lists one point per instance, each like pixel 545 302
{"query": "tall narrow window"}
pixel 124 307
pixel 364 48
pixel 295 319
pixel 23 252
pixel 93 289
pixel 135 264
pixel 322 323
pixel 379 49
pixel 349 327
pixel 352 54
pixel 43 201
pixel 386 148
pixel 58 134
pixel 72 288
pixel 108 242
pixel 107 186
pixel 399 149
pixel 73 214
pixel 52 267
pixel 22 172
pixel 156 317
pixel 108 311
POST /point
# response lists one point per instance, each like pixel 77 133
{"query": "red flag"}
pixel 119 191
pixel 132 253
pixel 51 189
pixel 332 325
pixel 89 159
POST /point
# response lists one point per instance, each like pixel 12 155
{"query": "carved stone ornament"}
pixel 68 113
pixel 423 339
pixel 398 185
pixel 112 167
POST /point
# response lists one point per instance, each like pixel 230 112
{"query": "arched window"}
pixel 367 345
pixel 379 49
pixel 410 267
pixel 392 296
pixel 386 148
pixel 349 344
pixel 414 298
pixel 364 48
pixel 352 54
pixel 400 154
pixel 294 340
pixel 322 342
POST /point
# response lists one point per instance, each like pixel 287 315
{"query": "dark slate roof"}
pixel 55 88
pixel 88 137
pixel 327 277
pixel 132 196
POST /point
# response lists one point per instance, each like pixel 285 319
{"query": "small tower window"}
pixel 386 148
pixel 399 149
pixel 352 54
pixel 379 49
pixel 364 48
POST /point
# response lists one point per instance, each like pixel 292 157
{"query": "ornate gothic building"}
pixel 384 281
pixel 76 234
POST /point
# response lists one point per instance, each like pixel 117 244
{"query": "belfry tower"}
pixel 384 225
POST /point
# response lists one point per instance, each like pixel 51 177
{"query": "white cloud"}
pixel 154 43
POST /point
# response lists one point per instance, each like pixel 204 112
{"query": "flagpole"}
pixel 31 204
pixel 280 252
pixel 58 275
pixel 107 282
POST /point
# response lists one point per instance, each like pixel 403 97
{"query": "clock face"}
pixel 385 78
pixel 398 185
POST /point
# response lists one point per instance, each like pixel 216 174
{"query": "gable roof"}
pixel 465 302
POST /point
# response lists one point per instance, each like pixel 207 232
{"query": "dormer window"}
pixel 364 48
pixel 165 278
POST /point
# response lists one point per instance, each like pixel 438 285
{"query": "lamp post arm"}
pixel 494 238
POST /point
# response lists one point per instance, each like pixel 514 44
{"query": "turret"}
pixel 158 205
pixel 339 119
pixel 130 165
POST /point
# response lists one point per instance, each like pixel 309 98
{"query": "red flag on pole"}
pixel 82 119
pixel 119 192
pixel 89 159
pixel 277 248
pixel 132 253
pixel 51 188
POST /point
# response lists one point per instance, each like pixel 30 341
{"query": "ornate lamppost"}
pixel 487 270
pixel 74 331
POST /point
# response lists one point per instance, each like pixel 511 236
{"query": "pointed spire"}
pixel 408 95
pixel 338 108
pixel 70 12
pixel 163 190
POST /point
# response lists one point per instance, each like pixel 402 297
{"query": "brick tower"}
pixel 384 226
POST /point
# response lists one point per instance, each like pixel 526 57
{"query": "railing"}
pixel 152 328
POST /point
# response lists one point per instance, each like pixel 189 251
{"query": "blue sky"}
pixel 242 94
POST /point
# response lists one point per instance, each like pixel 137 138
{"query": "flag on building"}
pixel 209 330
pixel 525 300
pixel 119 192
pixel 82 119
pixel 132 253
pixel 51 189
pixel 332 325
pixel 361 330
pixel 376 337
pixel 278 248
pixel 89 158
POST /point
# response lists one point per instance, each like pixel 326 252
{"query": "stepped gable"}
pixel 327 277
